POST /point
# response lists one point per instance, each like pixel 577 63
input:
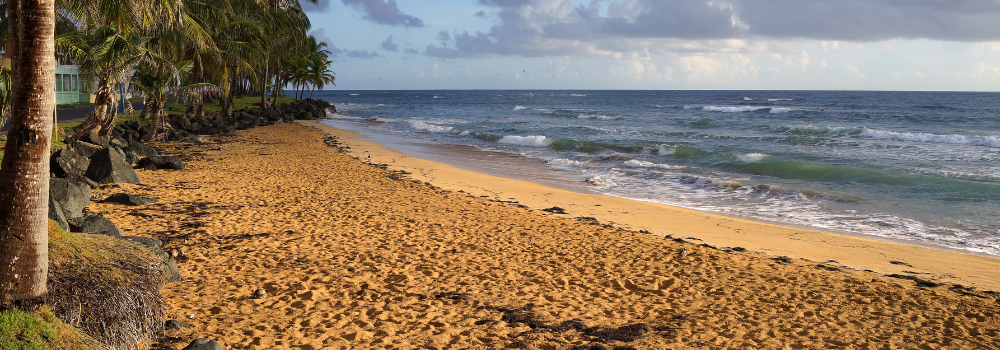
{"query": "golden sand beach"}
pixel 354 255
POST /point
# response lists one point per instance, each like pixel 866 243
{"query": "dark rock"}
pixel 109 166
pixel 148 242
pixel 95 223
pixel 203 344
pixel 86 149
pixel 82 179
pixel 128 199
pixel 195 127
pixel 110 187
pixel 66 161
pixel 56 214
pixel 183 122
pixel 118 143
pixel 170 271
pixel 163 162
pixel 71 196
pixel 131 157
pixel 94 138
pixel 141 149
pixel 174 324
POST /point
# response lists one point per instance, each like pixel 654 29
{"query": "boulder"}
pixel 184 122
pixel 170 271
pixel 203 344
pixel 56 214
pixel 70 196
pixel 128 199
pixel 119 143
pixel 131 157
pixel 95 223
pixel 141 149
pixel 162 162
pixel 66 161
pixel 174 324
pixel 109 166
pixel 86 149
pixel 148 242
pixel 94 138
pixel 82 179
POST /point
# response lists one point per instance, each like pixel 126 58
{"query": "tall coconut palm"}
pixel 160 82
pixel 318 73
pixel 24 173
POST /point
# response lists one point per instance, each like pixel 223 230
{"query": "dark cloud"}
pixel 388 45
pixel 384 12
pixel 552 27
pixel 444 36
pixel 409 50
pixel 363 54
pixel 321 6
pixel 481 14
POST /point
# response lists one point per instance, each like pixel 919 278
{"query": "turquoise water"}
pixel 922 167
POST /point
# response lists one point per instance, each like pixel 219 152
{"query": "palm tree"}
pixel 319 73
pixel 24 173
pixel 106 57
pixel 160 82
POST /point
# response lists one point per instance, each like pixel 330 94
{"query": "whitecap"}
pixel 990 141
pixel 595 116
pixel 779 99
pixel 732 109
pixel 781 110
pixel 533 141
pixel 518 108
pixel 748 99
pixel 568 162
pixel 635 163
pixel 751 157
pixel 423 126
pixel 665 150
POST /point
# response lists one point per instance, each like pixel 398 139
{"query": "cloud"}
pixel 481 14
pixel 621 27
pixel 384 12
pixel 321 6
pixel 388 45
pixel 363 54
pixel 444 36
pixel 409 50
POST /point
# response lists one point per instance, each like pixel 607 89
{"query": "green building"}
pixel 68 85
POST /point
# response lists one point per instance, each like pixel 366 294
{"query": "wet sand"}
pixel 354 256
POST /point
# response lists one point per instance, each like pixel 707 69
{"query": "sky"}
pixel 936 45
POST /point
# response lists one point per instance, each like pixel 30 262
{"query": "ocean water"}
pixel 918 167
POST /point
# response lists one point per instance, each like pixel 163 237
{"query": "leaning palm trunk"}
pixel 102 118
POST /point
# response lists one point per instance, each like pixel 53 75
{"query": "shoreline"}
pixel 886 257
pixel 353 255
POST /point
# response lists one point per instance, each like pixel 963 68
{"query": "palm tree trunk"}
pixel 24 175
pixel 263 87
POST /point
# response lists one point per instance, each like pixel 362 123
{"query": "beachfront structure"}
pixel 68 85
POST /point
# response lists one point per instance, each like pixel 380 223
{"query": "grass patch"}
pixel 107 287
pixel 75 105
pixel 40 330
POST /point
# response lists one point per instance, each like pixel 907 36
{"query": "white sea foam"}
pixel 779 99
pixel 732 109
pixel 751 157
pixel 781 110
pixel 579 95
pixel 990 141
pixel 665 150
pixel 423 126
pixel 568 163
pixel 596 116
pixel 748 99
pixel 635 163
pixel 355 94
pixel 533 141
pixel 518 108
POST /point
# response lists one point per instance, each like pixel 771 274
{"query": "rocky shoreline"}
pixel 93 162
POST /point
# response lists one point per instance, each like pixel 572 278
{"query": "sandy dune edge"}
pixel 352 258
